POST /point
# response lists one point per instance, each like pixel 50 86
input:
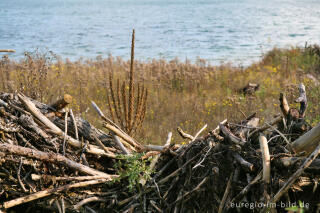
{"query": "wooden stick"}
pixel 52 158
pixel 167 144
pixel 199 132
pixel 284 106
pixel 184 135
pixel 123 136
pixel 120 145
pixel 65 133
pixel 246 189
pixel 245 164
pixel 116 129
pixel 225 195
pixel 74 124
pixel 62 103
pixel 7 51
pixel 88 200
pixel 48 192
pixel 265 158
pixel 55 178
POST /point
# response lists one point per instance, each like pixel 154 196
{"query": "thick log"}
pixel 307 142
pixel 62 103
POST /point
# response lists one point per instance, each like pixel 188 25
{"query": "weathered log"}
pixel 308 141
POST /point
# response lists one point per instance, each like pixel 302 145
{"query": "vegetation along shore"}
pixel 180 93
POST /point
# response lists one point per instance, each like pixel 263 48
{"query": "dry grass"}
pixel 180 93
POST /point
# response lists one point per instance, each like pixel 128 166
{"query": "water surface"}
pixel 217 30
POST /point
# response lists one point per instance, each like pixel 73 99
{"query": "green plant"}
pixel 135 168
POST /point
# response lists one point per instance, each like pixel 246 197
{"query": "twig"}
pixel 282 135
pixel 88 200
pixel 153 204
pixel 192 191
pixel 245 164
pixel 225 195
pixel 184 135
pixel 246 189
pixel 19 178
pixel 54 178
pixel 65 133
pixel 199 132
pixel 63 207
pixel 120 145
pixel 199 164
pixel 58 206
pixel 74 124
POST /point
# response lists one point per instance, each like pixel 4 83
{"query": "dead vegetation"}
pixel 55 161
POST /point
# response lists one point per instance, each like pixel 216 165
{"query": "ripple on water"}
pixel 210 29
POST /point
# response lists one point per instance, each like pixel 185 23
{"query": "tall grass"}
pixel 181 93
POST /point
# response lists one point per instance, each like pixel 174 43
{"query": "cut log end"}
pixel 62 103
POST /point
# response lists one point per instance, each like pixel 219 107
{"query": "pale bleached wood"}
pixel 55 178
pixel 265 158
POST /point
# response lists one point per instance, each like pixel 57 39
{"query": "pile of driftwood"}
pixel 52 160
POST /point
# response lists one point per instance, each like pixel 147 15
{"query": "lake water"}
pixel 239 31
